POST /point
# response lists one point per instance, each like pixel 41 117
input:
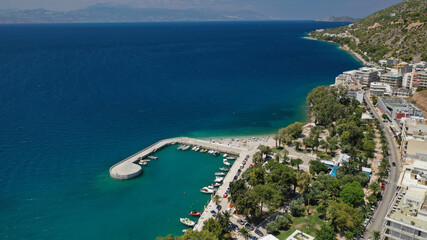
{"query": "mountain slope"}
pixel 398 31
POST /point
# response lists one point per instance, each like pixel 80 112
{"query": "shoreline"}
pixel 345 48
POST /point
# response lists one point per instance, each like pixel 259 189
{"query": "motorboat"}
pixel 193 148
pixel 217 184
pixel 215 153
pixel 218 179
pixel 185 148
pixel 225 155
pixel 206 190
pixel 153 157
pixel 231 158
pixel 180 147
pixel 219 174
pixel 194 213
pixel 224 169
pixel 226 162
pixel 187 222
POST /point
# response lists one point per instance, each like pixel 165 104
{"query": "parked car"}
pixel 257 231
pixel 225 195
pixel 240 221
pixel 249 226
pixel 393 164
pixel 219 207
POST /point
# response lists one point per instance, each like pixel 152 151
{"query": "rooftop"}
pixel 416 147
pixel 408 213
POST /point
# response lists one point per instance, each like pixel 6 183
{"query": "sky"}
pixel 279 9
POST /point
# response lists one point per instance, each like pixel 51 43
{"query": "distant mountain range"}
pixel 338 19
pixel 113 13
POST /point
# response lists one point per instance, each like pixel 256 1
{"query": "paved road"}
pixel 377 221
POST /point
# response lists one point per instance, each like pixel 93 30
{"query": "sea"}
pixel 77 98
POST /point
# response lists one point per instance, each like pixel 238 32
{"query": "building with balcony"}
pixel 407 218
pixel 393 79
pixel 366 75
pixel 419 79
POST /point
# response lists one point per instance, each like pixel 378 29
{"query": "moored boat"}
pixel 225 155
pixel 153 157
pixel 218 179
pixel 185 148
pixel 206 190
pixel 219 174
pixel 226 162
pixel 187 222
pixel 231 158
pixel 224 169
pixel 194 213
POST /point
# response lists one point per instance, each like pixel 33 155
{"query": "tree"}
pixel 190 234
pixel 326 233
pixel 267 195
pixel 375 235
pixel 276 138
pixel 384 116
pixel 375 188
pixel 332 143
pixel 257 158
pixel 296 208
pixel 303 182
pixel 214 226
pixel 280 223
pixel 352 193
pixel 256 176
pixel 245 232
pixel 316 167
pixel 296 162
pixel 343 216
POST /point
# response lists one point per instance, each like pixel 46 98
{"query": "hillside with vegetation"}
pixel 398 31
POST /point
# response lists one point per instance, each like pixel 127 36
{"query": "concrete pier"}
pixel 127 168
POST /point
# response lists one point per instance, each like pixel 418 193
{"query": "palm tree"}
pixel 245 232
pixel 375 235
pixel 276 138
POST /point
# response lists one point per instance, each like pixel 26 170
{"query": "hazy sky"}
pixel 283 9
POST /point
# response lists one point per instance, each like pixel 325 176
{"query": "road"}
pixel 377 221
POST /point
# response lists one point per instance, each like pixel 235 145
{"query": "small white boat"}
pixel 217 184
pixel 224 169
pixel 225 155
pixel 219 179
pixel 180 147
pixel 153 157
pixel 206 190
pixel 231 158
pixel 184 230
pixel 187 222
pixel 185 148
pixel 226 162
pixel 210 151
pixel 219 174
pixel 193 148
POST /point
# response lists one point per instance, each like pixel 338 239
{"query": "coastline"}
pixel 344 48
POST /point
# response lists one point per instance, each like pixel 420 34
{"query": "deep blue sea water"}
pixel 77 98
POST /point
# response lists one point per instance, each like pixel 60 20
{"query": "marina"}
pixel 129 167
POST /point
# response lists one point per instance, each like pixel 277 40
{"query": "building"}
pixel 379 89
pixel 394 80
pixel 419 79
pixel 356 94
pixel 396 108
pixel 393 61
pixel 407 81
pixel 401 92
pixel 414 139
pixel 269 237
pixel 407 218
pixel 343 79
pixel 382 62
pixel 366 75
pixel 403 68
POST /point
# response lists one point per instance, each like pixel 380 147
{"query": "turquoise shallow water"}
pixel 77 98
